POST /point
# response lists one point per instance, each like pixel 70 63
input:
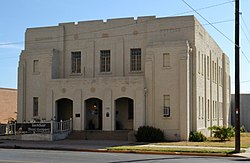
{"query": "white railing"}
pixel 61 126
pixel 8 129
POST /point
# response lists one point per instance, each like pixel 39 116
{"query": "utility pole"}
pixel 237 77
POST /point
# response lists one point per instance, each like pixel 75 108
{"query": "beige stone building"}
pixel 121 74
pixel 8 105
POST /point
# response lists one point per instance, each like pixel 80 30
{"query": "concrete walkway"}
pixel 93 145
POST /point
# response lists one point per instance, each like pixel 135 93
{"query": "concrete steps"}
pixel 101 135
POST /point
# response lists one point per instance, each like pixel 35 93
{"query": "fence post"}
pixel 70 124
pixel 61 125
pixel 51 126
pixel 15 128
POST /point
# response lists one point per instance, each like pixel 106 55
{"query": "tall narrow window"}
pixel 208 110
pixel 199 109
pixel 35 66
pixel 202 108
pixel 202 66
pixel 35 106
pixel 105 61
pixel 215 72
pixel 166 60
pixel 135 59
pixel 208 68
pixel 199 62
pixel 76 62
pixel 166 108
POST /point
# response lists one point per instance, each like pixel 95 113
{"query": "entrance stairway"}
pixel 101 135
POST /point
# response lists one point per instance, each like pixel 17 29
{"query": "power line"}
pixel 122 26
pixel 203 8
pixel 209 23
pixel 245 56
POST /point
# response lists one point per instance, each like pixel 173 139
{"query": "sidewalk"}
pixel 96 146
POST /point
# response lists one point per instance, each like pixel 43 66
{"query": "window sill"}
pixel 36 73
pixel 166 67
pixel 166 117
pixel 105 73
pixel 76 74
pixel 135 72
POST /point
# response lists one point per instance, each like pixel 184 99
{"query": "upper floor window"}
pixel 105 61
pixel 199 60
pixel 135 59
pixel 166 60
pixel 35 66
pixel 208 67
pixel 76 62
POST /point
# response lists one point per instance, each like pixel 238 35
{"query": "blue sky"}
pixel 17 15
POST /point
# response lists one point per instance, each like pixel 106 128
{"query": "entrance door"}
pixel 124 110
pixel 64 109
pixel 93 112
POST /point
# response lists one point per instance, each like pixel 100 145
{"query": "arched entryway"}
pixel 64 109
pixel 124 113
pixel 93 114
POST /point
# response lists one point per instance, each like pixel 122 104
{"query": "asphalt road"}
pixel 47 156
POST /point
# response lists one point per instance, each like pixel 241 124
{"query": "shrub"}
pixel 149 134
pixel 222 133
pixel 242 129
pixel 195 136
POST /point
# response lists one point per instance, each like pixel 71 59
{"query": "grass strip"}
pixel 155 149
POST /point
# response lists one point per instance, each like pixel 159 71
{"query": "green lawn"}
pixel 212 142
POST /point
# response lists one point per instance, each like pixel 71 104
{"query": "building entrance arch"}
pixel 124 113
pixel 64 109
pixel 93 114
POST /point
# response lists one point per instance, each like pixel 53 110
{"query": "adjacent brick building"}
pixel 8 105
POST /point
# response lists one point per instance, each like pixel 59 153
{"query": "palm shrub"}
pixel 195 136
pixel 149 134
pixel 222 133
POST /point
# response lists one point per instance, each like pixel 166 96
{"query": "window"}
pixel 166 60
pixel 215 72
pixel 199 60
pixel 202 108
pixel 135 59
pixel 166 108
pixel 35 106
pixel 202 66
pixel 35 66
pixel 208 68
pixel 105 61
pixel 76 62
pixel 199 109
pixel 208 110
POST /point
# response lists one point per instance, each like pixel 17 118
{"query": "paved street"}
pixel 49 156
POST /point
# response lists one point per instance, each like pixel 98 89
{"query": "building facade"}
pixel 121 74
pixel 8 105
pixel 244 111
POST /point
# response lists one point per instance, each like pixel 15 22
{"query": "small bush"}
pixel 149 134
pixel 195 136
pixel 242 129
pixel 222 133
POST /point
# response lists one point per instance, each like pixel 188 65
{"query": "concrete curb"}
pixel 121 151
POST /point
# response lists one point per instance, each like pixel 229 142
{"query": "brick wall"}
pixel 8 104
